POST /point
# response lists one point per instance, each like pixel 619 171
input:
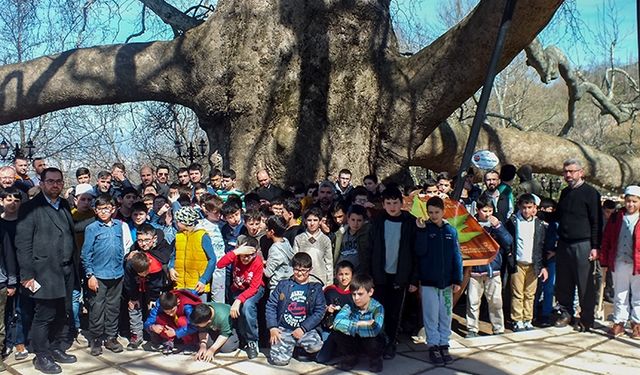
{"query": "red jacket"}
pixel 610 242
pixel 247 278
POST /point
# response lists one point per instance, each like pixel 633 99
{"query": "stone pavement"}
pixel 545 351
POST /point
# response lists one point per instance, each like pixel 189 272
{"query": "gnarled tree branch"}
pixel 171 15
pixel 551 62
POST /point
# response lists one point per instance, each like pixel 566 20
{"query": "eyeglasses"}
pixel 104 209
pixel 572 171
pixel 302 270
pixel 144 240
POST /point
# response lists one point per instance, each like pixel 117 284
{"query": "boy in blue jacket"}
pixel 294 312
pixel 440 274
pixel 486 280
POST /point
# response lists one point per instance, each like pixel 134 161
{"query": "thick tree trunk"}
pixel 302 88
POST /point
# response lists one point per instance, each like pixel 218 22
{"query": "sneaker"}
pixel 518 327
pixel 113 345
pixel 157 347
pixel 528 326
pixel 96 347
pixel 168 348
pixel 348 363
pixel 375 364
pixel 21 352
pixel 635 331
pixel 471 335
pixel 435 356
pixel 446 357
pixel 134 342
pixel 6 351
pixel 252 349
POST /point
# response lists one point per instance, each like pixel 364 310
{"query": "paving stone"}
pixel 86 364
pixel 262 367
pixel 623 346
pixel 531 335
pixel 559 370
pixel 443 371
pixel 535 350
pixel 602 363
pixel 125 356
pixel 174 364
pixel 485 341
pixel 455 353
pixel 579 340
pixel 490 363
pixel 399 365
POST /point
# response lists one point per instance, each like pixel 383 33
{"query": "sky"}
pixel 584 48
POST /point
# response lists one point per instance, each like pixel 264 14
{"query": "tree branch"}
pixel 443 150
pixel 100 75
pixel 551 62
pixel 171 15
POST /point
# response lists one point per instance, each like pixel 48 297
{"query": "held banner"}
pixel 477 247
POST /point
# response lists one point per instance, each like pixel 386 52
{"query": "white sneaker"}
pixel 528 326
pixel 518 327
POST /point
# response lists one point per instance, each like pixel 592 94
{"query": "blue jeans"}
pixel 547 289
pixel 437 305
pixel 248 320
pixel 76 302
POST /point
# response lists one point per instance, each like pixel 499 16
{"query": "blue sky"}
pixel 583 49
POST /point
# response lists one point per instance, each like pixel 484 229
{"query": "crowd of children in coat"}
pixel 319 272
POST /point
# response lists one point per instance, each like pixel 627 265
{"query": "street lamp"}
pixel 551 184
pixel 192 153
pixel 27 151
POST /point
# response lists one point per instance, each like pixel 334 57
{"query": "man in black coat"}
pixel 46 250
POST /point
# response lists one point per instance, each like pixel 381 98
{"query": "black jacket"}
pixel 538 258
pixel 407 266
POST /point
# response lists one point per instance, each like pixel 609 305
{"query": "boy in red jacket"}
pixel 621 253
pixel 246 289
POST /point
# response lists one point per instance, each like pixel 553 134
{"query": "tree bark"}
pixel 301 88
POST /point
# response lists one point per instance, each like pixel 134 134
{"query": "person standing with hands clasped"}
pixel 440 275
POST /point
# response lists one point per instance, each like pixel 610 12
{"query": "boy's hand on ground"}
pixel 544 275
pixel 199 287
pixel 274 336
pixel 235 309
pixel 297 333
pixel 170 332
pixel 156 328
pixel 201 352
pixel 209 355
pixel 412 288
pixel 92 284
pixel 455 288
pixel 173 274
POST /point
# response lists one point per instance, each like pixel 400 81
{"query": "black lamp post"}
pixel 28 151
pixel 192 152
pixel 551 185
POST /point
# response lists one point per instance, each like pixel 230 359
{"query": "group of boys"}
pixel 191 262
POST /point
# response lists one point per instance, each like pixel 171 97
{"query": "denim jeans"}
pixel 76 302
pixel 547 289
pixel 248 320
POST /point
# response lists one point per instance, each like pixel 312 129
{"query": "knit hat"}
pixel 187 216
pixel 632 190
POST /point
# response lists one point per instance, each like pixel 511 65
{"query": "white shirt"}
pixel 525 230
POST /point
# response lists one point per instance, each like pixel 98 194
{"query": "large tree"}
pixel 305 88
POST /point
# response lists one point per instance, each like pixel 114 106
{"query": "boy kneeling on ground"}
pixel 360 327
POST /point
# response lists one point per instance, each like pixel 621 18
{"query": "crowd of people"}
pixel 319 272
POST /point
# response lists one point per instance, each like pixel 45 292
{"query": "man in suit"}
pixel 47 256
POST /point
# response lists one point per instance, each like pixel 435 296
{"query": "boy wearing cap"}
pixel 194 260
pixel 621 253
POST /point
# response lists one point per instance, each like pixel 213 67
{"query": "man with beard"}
pixel 162 180
pixel 326 196
pixel 580 232
pixel 38 164
pixel 22 181
pixel 48 268
pixel 146 178
pixel 502 204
